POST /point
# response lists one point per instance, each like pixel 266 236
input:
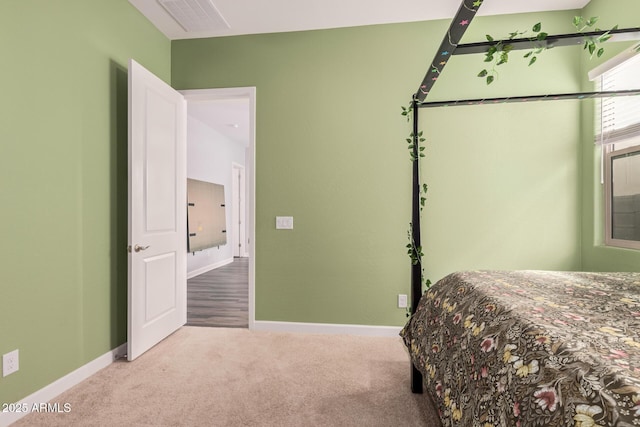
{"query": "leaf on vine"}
pixel 606 36
pixel 425 187
pixel 577 21
pixel 490 79
pixel 533 60
pixel 489 38
pixel 483 73
pixel 591 21
pixel 603 38
pixel 592 48
pixel 542 36
pixel 600 52
pixel 536 28
pixel 528 54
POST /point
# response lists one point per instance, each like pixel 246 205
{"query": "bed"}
pixel 530 348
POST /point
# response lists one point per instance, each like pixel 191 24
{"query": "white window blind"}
pixel 618 117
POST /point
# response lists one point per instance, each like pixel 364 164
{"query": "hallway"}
pixel 220 297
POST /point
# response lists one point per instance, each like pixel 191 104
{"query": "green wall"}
pixel 330 151
pixel 504 187
pixel 63 173
pixel 596 256
pixel 324 158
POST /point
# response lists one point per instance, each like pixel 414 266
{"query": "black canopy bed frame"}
pixel 450 46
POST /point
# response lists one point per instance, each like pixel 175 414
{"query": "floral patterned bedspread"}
pixel 530 348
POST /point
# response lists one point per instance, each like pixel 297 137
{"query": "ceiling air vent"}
pixel 195 15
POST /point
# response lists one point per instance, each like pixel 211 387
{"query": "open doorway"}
pixel 220 150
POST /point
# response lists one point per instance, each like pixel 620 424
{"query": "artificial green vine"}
pixel 406 111
pixel 498 53
pixel 592 43
pixel 414 251
pixel 421 148
pixel 411 141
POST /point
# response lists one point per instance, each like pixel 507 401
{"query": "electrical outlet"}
pixel 10 363
pixel 402 301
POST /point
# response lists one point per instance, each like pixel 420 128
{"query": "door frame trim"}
pixel 242 232
pixel 250 168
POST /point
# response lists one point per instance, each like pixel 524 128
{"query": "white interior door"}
pixel 157 211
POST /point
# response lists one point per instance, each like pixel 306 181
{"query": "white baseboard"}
pixel 209 267
pixel 61 385
pixel 327 328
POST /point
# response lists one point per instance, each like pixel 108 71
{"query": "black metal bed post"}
pixel 459 24
pixel 416 268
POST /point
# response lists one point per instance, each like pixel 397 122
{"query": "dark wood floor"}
pixel 220 297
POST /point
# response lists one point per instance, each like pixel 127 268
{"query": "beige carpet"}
pixel 234 377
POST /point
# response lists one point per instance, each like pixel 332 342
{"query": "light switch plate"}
pixel 284 223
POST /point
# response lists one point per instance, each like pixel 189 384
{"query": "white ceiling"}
pixel 229 117
pixel 269 16
pixel 274 16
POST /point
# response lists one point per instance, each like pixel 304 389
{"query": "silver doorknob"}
pixel 139 248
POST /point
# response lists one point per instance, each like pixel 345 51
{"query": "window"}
pixel 618 131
